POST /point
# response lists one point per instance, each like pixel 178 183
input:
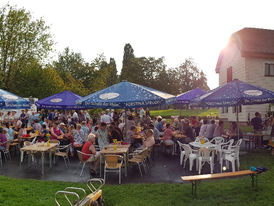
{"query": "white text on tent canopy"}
pixel 107 96
pixel 56 100
pixel 9 96
pixel 253 92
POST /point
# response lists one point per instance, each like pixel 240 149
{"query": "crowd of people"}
pixel 134 127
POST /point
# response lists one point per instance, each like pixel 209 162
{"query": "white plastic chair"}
pixel 206 155
pixel 233 155
pixel 188 153
pixel 217 140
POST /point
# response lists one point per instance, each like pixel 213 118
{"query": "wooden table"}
pixel 40 147
pixel 120 150
pixel 200 145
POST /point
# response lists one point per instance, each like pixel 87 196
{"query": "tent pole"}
pixel 237 119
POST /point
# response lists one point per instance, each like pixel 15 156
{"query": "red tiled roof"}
pixel 252 42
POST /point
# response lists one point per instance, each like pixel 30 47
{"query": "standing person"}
pixel 78 136
pixel 210 129
pixel 257 124
pixel 74 116
pixel 147 112
pixel 81 116
pixel 105 118
pixel 203 128
pixel 85 129
pixel 102 135
pixel 142 114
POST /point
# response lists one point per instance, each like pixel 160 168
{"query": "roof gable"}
pixel 252 42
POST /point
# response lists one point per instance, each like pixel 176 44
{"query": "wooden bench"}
pixel 197 178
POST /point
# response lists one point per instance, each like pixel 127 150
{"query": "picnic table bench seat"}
pixel 197 178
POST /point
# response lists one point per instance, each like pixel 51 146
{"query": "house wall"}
pixel 255 70
pixel 232 58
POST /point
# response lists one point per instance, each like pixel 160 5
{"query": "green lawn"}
pixel 185 113
pixel 237 191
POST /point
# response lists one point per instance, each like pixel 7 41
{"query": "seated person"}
pixel 188 131
pixel 114 134
pixel 3 139
pixel 131 134
pixel 219 130
pixel 89 148
pixel 149 141
pixel 234 131
pixel 168 134
pixel 156 133
pixel 43 135
pixel 37 126
pixel 55 132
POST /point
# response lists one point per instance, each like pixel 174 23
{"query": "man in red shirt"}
pixel 90 154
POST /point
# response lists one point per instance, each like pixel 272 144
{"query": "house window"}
pixel 239 109
pixel 229 75
pixel 269 70
pixel 224 109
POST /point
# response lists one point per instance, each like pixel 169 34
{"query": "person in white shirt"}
pixel 142 113
pixel 106 118
pixel 74 115
pixel 203 128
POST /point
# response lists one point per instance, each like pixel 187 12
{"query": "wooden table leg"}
pixel 125 157
pixel 43 161
pixel 100 165
pixel 50 156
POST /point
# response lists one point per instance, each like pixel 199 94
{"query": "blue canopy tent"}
pixel 10 101
pixel 187 97
pixel 62 101
pixel 235 93
pixel 126 95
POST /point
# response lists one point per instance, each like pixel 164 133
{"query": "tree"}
pixel 128 68
pixel 22 39
pixel 71 62
pixel 38 82
pixel 112 73
pixel 186 77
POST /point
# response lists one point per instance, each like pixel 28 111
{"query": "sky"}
pixel 175 29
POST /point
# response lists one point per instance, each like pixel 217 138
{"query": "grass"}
pixel 237 191
pixel 185 113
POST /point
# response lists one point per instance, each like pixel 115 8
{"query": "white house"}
pixel 249 57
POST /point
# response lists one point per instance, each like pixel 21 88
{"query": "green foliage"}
pixel 26 42
pixel 229 191
pixel 22 39
pixel 185 113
